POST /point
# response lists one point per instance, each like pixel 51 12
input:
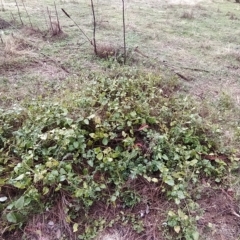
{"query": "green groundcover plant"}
pixel 114 130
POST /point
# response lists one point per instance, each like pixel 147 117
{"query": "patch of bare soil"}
pixel 4 24
pixel 12 236
pixel 221 219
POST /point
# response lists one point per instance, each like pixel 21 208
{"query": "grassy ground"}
pixel 198 44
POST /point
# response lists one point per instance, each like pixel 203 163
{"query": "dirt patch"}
pixel 220 220
pixel 4 24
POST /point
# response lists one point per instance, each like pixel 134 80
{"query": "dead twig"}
pixel 77 26
pixel 172 69
pixel 196 69
pixel 234 213
pixel 55 62
pixel 2 6
pixel 139 52
pixel 230 198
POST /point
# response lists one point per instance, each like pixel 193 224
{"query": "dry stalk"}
pixel 50 19
pixel 62 206
pixel 58 22
pixel 14 19
pixel 45 18
pixel 19 12
pixel 27 13
pixel 2 6
pixel 77 26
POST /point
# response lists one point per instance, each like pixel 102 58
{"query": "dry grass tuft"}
pixel 113 235
pixel 17 45
pixel 50 225
pixel 187 15
pixel 4 24
pixel 56 29
pixel 232 16
pixel 106 50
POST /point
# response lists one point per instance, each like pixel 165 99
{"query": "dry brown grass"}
pixel 17 45
pixel 187 15
pixel 106 50
pixel 51 224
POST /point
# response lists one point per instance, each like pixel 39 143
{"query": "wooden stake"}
pixel 124 32
pixel 94 29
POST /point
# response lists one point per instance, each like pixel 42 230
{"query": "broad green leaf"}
pixel 100 156
pixel 19 203
pixel 62 178
pixel 170 182
pixel 62 171
pixel 133 114
pixel 45 190
pixel 76 144
pixel 20 177
pixel 11 217
pixel 2 181
pixel 113 198
pixel 124 134
pixel 86 121
pixel 102 186
pixel 90 162
pixel 165 157
pixel 193 162
pixel 195 235
pixel 105 141
pixel 92 135
pixel 180 194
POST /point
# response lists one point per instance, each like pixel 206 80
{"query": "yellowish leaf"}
pixel 155 180
pixel 177 229
pixel 75 227
pixel 97 120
